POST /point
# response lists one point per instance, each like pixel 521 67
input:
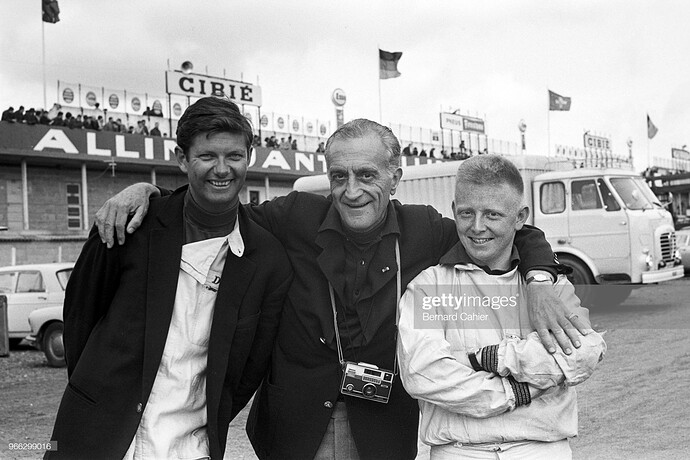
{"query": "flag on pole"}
pixel 388 64
pixel 558 102
pixel 651 129
pixel 51 11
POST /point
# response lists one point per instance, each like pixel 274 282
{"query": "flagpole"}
pixel 43 48
pixel 378 61
pixel 380 113
pixel 548 123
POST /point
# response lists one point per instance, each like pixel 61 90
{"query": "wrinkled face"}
pixel 216 167
pixel 361 183
pixel 487 217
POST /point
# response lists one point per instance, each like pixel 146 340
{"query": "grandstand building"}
pixel 53 180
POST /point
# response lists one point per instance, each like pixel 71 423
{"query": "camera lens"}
pixel 369 390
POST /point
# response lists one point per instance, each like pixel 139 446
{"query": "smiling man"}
pixel 167 338
pixel 352 253
pixel 485 383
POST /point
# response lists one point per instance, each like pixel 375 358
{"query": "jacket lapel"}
pixel 165 250
pixel 238 273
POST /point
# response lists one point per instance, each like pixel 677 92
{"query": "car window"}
pixel 683 239
pixel 7 282
pixel 63 277
pixel 30 282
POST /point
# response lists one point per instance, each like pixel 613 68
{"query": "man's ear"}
pixel 522 217
pixel 397 175
pixel 181 159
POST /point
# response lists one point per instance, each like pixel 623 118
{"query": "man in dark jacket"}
pixel 168 337
pixel 344 251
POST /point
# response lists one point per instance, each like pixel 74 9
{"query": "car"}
pixel 46 334
pixel 28 288
pixel 683 244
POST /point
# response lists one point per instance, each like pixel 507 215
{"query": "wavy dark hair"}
pixel 211 115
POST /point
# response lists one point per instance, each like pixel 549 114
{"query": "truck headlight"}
pixel 649 261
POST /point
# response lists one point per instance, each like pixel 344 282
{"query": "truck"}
pixel 604 223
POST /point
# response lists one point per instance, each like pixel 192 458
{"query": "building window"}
pixel 254 197
pixel 74 207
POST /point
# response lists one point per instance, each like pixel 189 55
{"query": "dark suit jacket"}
pixel 291 412
pixel 118 306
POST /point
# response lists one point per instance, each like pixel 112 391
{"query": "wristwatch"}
pixel 539 278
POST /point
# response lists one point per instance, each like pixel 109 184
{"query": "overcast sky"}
pixel 617 60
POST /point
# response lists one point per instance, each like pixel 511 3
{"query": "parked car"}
pixel 28 288
pixel 46 334
pixel 683 242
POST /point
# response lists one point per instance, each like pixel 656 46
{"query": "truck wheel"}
pixel 590 293
pixel 53 346
pixel 581 278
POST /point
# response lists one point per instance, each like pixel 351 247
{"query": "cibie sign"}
pixel 597 142
pixel 196 85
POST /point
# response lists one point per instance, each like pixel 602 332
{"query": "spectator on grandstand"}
pixel 92 123
pixel 256 141
pixel 141 128
pixel 431 153
pixel 407 151
pixel 274 142
pixel 86 122
pixel 155 131
pixel 43 117
pixel 73 122
pixel 130 130
pixel 293 144
pixel 110 125
pixel 415 152
pixel 100 122
pixel 58 120
pixel 18 116
pixel 30 117
pixel 284 145
pixel 463 149
pixel 121 126
pixel 8 115
pixel 422 153
pixel 321 148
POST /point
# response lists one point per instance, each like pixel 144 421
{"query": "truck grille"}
pixel 668 246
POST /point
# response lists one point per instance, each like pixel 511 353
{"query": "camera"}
pixel 366 381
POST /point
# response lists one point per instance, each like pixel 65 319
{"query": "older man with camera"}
pixel 352 253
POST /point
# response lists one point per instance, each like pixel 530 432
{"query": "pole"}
pixel 43 40
pixel 380 113
pixel 378 59
pixel 548 133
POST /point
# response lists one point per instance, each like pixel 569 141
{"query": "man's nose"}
pixel 352 189
pixel 222 168
pixel 478 223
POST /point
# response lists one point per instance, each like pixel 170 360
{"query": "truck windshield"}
pixel 635 193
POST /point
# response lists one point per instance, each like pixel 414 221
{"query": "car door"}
pixel 29 295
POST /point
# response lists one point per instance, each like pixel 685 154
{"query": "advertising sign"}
pixel 202 85
pixel 462 123
pixel 596 142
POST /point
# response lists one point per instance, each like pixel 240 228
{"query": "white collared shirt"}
pixel 173 425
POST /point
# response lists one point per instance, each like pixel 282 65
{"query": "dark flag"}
pixel 388 64
pixel 558 102
pixel 651 129
pixel 51 11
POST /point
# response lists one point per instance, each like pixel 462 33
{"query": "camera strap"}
pixel 398 280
